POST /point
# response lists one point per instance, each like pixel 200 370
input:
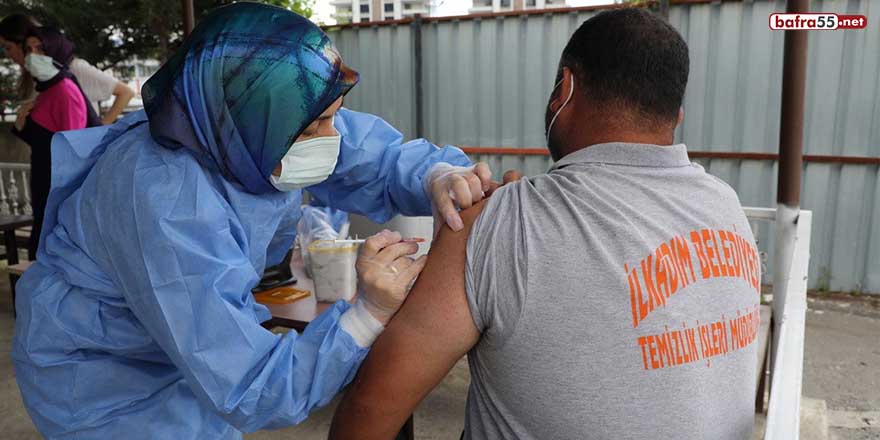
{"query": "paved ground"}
pixel 842 367
pixel 842 364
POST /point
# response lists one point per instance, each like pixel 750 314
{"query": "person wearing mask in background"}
pixel 569 323
pixel 98 85
pixel 137 320
pixel 14 29
pixel 60 106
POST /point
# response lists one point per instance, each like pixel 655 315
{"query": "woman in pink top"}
pixel 60 106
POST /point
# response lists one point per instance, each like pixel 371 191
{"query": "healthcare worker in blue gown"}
pixel 137 320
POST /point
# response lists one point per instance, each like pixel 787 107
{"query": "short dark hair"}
pixel 16 27
pixel 630 57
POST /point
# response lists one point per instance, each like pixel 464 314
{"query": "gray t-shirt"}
pixel 617 297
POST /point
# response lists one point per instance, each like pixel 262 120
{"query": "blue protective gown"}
pixel 137 320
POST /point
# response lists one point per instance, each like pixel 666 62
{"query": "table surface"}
pixel 308 308
pixel 15 221
pixel 300 313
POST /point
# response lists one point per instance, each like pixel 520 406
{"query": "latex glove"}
pixel 386 272
pixel 452 188
pixel 509 177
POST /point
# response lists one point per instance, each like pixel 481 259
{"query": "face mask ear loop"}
pixel 555 86
pixel 553 121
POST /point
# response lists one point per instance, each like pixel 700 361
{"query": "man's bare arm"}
pixel 429 334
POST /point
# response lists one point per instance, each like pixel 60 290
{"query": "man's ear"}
pixel 560 94
pixel 567 84
pixel 680 116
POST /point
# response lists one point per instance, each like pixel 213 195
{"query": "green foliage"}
pixel 8 86
pixel 108 32
pixel 823 283
pixel 301 7
pixel 857 291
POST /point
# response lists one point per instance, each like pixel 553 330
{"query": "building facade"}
pixel 357 11
pixel 484 6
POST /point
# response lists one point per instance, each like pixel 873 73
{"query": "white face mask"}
pixel 42 67
pixel 307 163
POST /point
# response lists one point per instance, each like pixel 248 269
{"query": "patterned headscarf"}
pixel 241 89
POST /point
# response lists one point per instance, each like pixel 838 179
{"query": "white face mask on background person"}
pixel 42 67
pixel 307 163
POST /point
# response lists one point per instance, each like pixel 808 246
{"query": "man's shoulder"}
pixel 491 224
pixel 507 200
pixel 469 216
pixel 502 200
pixel 718 183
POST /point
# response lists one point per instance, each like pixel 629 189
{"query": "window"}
pixel 389 17
pixel 365 9
pixel 389 7
pixel 531 3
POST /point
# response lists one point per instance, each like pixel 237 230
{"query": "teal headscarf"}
pixel 244 85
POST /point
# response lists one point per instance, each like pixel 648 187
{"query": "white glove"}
pixel 451 188
pixel 386 272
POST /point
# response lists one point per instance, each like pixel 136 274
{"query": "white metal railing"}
pixel 15 197
pixel 789 316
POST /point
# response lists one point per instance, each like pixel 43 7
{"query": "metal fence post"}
pixel 791 145
pixel 791 131
pixel 417 60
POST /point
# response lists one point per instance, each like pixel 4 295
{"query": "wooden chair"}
pixel 15 272
pixel 23 239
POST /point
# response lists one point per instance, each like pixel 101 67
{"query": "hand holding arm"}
pixel 452 188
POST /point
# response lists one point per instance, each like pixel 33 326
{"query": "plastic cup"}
pixel 332 267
